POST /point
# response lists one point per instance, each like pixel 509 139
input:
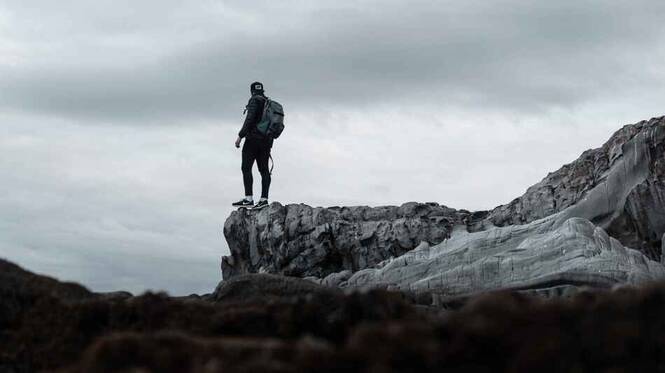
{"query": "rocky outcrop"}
pixel 542 255
pixel 299 240
pixel 598 221
pixel 633 156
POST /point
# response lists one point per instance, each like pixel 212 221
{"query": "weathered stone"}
pixel 298 240
pixel 572 229
pixel 337 279
pixel 518 257
pixel 560 249
pixel 633 156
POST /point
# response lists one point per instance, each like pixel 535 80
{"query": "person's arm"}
pixel 253 116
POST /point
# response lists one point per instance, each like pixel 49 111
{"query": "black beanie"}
pixel 256 87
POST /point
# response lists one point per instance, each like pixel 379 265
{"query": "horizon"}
pixel 119 120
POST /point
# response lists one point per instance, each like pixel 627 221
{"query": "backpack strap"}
pixel 265 109
pixel 272 163
pixel 265 106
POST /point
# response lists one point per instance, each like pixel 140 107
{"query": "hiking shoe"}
pixel 243 203
pixel 261 204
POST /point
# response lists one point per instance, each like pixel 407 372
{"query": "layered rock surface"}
pixel 597 221
pixel 628 172
pixel 298 240
pixel 542 255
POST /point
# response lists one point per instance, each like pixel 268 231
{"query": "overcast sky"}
pixel 117 118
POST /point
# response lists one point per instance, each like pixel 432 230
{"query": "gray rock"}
pixel 298 240
pixel 662 250
pixel 564 248
pixel 634 156
pixel 337 279
pixel 539 255
pixel 572 229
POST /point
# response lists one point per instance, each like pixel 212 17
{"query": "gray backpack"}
pixel 272 120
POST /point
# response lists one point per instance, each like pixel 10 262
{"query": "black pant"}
pixel 259 150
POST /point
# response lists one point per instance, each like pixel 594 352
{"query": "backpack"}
pixel 272 121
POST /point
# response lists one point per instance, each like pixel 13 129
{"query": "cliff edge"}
pixel 598 221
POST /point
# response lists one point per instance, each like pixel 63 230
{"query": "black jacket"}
pixel 254 110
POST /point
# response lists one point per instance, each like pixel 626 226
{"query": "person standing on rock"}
pixel 256 148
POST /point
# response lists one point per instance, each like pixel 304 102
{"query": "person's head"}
pixel 256 88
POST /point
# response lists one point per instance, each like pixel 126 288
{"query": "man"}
pixel 256 148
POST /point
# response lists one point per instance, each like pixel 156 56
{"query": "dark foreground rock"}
pixel 496 333
pixel 316 329
pixel 46 329
pixel 19 287
pixel 268 287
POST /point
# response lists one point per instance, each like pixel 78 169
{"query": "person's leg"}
pixel 248 157
pixel 262 162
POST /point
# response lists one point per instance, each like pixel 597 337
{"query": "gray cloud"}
pixel 507 54
pixel 113 207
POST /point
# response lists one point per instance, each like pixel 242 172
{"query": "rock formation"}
pixel 597 221
pixel 542 255
pixel 298 240
pixel 628 171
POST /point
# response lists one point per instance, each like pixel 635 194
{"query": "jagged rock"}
pixel 634 156
pixel 561 249
pixel 298 240
pixel 553 237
